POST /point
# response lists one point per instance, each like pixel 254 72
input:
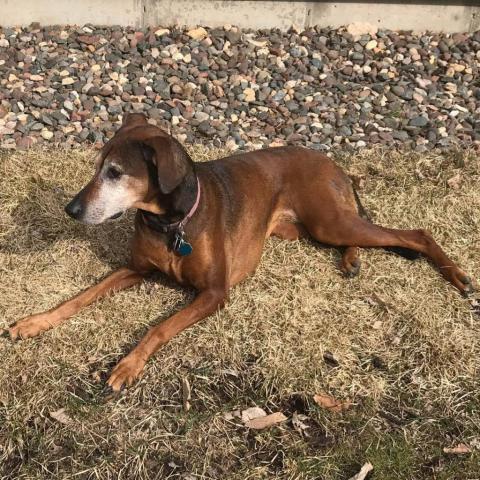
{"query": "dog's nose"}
pixel 74 209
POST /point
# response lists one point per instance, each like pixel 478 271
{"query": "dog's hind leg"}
pixel 35 324
pixel 351 230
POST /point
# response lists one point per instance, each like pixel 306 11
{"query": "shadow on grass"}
pixel 39 222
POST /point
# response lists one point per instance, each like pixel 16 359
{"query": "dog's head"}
pixel 138 167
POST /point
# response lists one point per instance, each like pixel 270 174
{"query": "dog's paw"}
pixel 460 280
pixel 467 287
pixel 126 372
pixel 29 327
pixel 351 269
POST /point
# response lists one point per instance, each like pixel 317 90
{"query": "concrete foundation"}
pixel 245 14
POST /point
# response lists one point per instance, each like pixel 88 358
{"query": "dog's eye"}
pixel 113 172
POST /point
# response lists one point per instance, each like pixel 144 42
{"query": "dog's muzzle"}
pixel 74 209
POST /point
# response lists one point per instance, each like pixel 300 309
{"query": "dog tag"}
pixel 180 246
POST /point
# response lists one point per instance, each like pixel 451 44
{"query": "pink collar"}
pixel 189 215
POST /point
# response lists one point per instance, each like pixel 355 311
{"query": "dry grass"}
pixel 408 358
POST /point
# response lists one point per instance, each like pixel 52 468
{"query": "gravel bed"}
pixel 320 87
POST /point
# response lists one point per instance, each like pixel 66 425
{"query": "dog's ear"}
pixel 172 161
pixel 134 119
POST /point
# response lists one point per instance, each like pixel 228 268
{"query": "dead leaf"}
pixel 330 403
pixel 186 393
pixel 374 300
pixel 252 413
pixel 364 471
pixel 460 449
pixel 298 420
pixel 61 417
pixel 260 423
pixel 455 182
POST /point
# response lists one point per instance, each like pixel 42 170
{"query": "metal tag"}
pixel 180 246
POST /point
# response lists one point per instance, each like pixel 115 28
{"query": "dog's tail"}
pixel 402 251
pixel 361 210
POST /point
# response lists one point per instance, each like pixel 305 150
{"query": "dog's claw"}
pixel 109 394
pixel 352 269
pixel 125 373
pixel 463 282
pixel 468 287
pixel 4 333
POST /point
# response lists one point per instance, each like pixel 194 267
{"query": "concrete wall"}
pixel 79 12
pixel 244 13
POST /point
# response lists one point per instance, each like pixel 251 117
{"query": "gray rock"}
pixel 202 116
pixel 391 122
pixel 419 121
pixel 400 135
pixel 206 128
pixel 398 90
pixel 338 89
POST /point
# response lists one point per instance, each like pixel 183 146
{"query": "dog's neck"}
pixel 178 207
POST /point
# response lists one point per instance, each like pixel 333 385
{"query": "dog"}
pixel 205 224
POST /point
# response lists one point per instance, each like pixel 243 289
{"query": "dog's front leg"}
pixel 35 324
pixel 128 369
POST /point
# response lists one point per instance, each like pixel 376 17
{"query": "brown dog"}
pixel 205 224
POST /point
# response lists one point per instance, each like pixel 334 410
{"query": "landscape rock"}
pixel 350 88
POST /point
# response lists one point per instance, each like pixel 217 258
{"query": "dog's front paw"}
pixel 30 326
pixel 126 372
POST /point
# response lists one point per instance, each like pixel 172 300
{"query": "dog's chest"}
pixel 153 251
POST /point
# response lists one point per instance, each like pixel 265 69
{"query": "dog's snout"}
pixel 74 209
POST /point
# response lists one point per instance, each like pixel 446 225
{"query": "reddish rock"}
pixel 88 39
